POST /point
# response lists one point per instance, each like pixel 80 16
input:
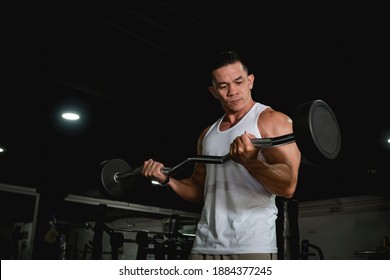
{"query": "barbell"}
pixel 315 131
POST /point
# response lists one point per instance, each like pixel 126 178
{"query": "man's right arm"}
pixel 191 189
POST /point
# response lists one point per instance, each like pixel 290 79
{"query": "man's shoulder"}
pixel 267 113
pixel 270 121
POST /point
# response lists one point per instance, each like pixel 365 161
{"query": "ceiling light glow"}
pixel 70 116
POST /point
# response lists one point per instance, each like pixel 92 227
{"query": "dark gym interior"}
pixel 135 71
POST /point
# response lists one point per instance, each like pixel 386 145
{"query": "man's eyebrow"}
pixel 239 77
pixel 236 79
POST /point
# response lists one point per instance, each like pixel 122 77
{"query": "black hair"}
pixel 226 57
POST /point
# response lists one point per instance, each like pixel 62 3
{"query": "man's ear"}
pixel 212 91
pixel 251 79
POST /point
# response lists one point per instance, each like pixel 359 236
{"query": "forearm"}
pixel 276 178
pixel 188 189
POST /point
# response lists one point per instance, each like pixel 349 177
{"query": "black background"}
pixel 137 72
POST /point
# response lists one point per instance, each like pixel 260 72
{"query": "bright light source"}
pixel 70 116
pixel 1 150
pixel 154 182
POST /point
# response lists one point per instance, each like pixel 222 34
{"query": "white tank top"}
pixel 239 215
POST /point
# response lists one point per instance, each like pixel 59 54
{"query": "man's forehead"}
pixel 229 74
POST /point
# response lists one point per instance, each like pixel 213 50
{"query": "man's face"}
pixel 232 87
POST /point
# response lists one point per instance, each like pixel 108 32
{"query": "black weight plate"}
pixel 316 131
pixel 112 187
